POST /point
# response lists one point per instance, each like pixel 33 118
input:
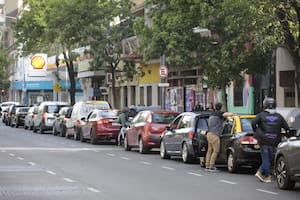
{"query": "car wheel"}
pixel 163 151
pixel 54 131
pixel 93 138
pixel 231 163
pixel 126 146
pixel 25 127
pixel 82 139
pixel 41 129
pixel 34 129
pixel 186 157
pixel 142 148
pixel 283 180
pixel 77 134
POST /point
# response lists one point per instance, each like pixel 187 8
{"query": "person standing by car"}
pixel 215 126
pixel 123 120
pixel 267 126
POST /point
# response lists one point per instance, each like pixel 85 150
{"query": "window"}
pixel 238 96
pixel 202 124
pixel 185 122
pixel 149 95
pixel 142 102
pixel 163 118
pixel 246 125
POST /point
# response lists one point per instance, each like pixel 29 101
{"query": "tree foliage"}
pixel 235 45
pixel 4 62
pixel 68 24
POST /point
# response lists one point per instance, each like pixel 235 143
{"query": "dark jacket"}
pixel 267 127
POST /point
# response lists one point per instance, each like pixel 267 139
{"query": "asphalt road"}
pixel 38 167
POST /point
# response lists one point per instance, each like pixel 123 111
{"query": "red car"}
pixel 146 128
pixel 100 125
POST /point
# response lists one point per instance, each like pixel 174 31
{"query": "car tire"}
pixel 282 177
pixel 93 138
pixel 63 131
pixel 232 166
pixel 34 129
pixel 142 148
pixel 163 151
pixel 126 146
pixel 54 131
pixel 82 139
pixel 186 157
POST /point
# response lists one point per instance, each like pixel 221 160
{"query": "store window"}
pixel 149 95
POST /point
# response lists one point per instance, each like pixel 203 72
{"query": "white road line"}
pixel 51 172
pixel 69 180
pixel 3 151
pixel 57 149
pixel 194 174
pixel 96 151
pixel 63 143
pixel 266 191
pixel 168 168
pixel 11 154
pixel 146 163
pixel 229 182
pixel 111 154
pixel 125 158
pixel 20 158
pixel 93 190
pixel 31 163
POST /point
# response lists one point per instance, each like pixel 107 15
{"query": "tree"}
pixel 229 46
pixel 284 19
pixel 4 62
pixel 106 40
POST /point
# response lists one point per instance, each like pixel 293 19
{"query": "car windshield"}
pixel 246 124
pixel 163 118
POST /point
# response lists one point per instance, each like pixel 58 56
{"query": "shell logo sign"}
pixel 38 62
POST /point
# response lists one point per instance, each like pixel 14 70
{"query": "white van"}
pixel 45 115
pixel 80 110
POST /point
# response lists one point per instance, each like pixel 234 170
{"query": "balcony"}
pixel 130 48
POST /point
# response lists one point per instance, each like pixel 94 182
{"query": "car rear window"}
pixel 102 113
pixel 23 109
pixel 163 118
pixel 246 125
pixel 53 108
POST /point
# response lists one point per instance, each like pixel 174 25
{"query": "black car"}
pixel 182 136
pixel 238 147
pixel 59 125
pixel 287 163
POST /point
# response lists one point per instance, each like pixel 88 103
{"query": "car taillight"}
pixel 44 116
pixel 191 135
pixel 248 140
pixel 103 121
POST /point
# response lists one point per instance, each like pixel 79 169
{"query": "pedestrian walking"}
pixel 267 126
pixel 215 126
pixel 123 120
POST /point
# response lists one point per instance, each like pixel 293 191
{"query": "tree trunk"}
pixel 297 66
pixel 224 98
pixel 113 86
pixel 70 67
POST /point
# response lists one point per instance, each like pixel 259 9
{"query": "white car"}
pixel 44 119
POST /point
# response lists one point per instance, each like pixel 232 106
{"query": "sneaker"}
pixel 213 169
pixel 260 176
pixel 207 169
pixel 267 179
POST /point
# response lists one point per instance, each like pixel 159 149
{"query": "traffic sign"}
pixel 57 87
pixel 163 84
pixel 163 71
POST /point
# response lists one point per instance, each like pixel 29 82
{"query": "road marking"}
pixel 57 149
pixel 229 182
pixel 20 158
pixel 69 180
pixel 63 143
pixel 51 172
pixel 146 163
pixel 125 158
pixel 3 151
pixel 11 154
pixel 266 191
pixel 168 168
pixel 93 190
pixel 111 154
pixel 194 174
pixel 31 163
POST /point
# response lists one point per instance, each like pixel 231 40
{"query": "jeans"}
pixel 121 134
pixel 267 155
pixel 212 150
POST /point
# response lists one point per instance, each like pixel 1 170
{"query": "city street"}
pixel 35 166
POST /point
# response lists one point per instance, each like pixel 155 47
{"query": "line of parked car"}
pixel 175 134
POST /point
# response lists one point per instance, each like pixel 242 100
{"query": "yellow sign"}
pixel 38 62
pixel 57 87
